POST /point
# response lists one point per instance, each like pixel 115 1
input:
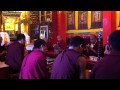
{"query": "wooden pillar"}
pixel 54 26
pixel 62 24
pixel 109 24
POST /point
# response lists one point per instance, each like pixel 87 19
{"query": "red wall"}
pixel 54 26
pixel 109 24
pixel 59 24
pixel 62 24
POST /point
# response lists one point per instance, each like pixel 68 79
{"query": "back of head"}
pixel 20 37
pixel 76 41
pixel 38 43
pixel 114 40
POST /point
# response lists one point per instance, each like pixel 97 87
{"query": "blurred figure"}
pixel 108 48
pixel 2 51
pixel 92 47
pixel 15 54
pixel 34 65
pixel 17 32
pixel 70 63
pixel 109 66
pixel 60 45
pixel 48 44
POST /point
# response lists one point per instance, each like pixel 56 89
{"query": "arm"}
pixel 107 50
pixel 41 67
pixel 82 65
pixel 94 51
pixel 2 53
pixel 19 56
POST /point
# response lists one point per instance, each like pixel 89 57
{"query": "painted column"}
pixel 54 26
pixel 109 24
pixel 62 24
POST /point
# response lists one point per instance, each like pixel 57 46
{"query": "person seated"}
pixel 70 63
pixel 34 65
pixel 15 54
pixel 49 44
pixel 109 66
pixel 60 45
pixel 107 48
pixel 2 51
pixel 92 47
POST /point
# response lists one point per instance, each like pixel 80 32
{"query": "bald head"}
pixel 59 38
pixel 93 38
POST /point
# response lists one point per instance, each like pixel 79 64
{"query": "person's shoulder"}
pixel 82 58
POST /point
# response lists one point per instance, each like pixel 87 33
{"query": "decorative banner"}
pixel 70 20
pixel 11 13
pixel 34 17
pixel 96 19
pixel 82 19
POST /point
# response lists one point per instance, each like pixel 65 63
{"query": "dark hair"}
pixel 76 41
pixel 93 35
pixel 114 40
pixel 38 43
pixel 20 36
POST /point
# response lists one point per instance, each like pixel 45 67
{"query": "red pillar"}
pixel 109 24
pixel 54 26
pixel 62 24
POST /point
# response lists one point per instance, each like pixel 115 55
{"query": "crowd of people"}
pixel 71 59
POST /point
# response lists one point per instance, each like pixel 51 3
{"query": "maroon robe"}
pixel 108 67
pixel 62 45
pixel 34 66
pixel 95 47
pixel 65 65
pixel 49 46
pixel 14 56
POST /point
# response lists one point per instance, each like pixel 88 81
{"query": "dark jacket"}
pixel 15 55
pixel 108 67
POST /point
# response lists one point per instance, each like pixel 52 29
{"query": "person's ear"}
pixel 80 45
pixel 41 46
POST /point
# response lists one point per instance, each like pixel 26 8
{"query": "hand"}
pixel 88 45
pixel 54 45
pixel 107 50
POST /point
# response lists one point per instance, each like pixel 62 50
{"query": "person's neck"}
pixel 19 42
pixel 73 48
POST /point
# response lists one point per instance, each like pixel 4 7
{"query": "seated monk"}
pixel 92 48
pixel 2 51
pixel 60 45
pixel 48 44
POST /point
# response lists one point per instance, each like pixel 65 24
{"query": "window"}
pixel 45 16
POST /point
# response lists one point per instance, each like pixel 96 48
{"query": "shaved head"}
pixel 59 38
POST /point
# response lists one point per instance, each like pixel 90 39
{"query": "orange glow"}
pixel 24 28
pixel 16 27
pixel 24 15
